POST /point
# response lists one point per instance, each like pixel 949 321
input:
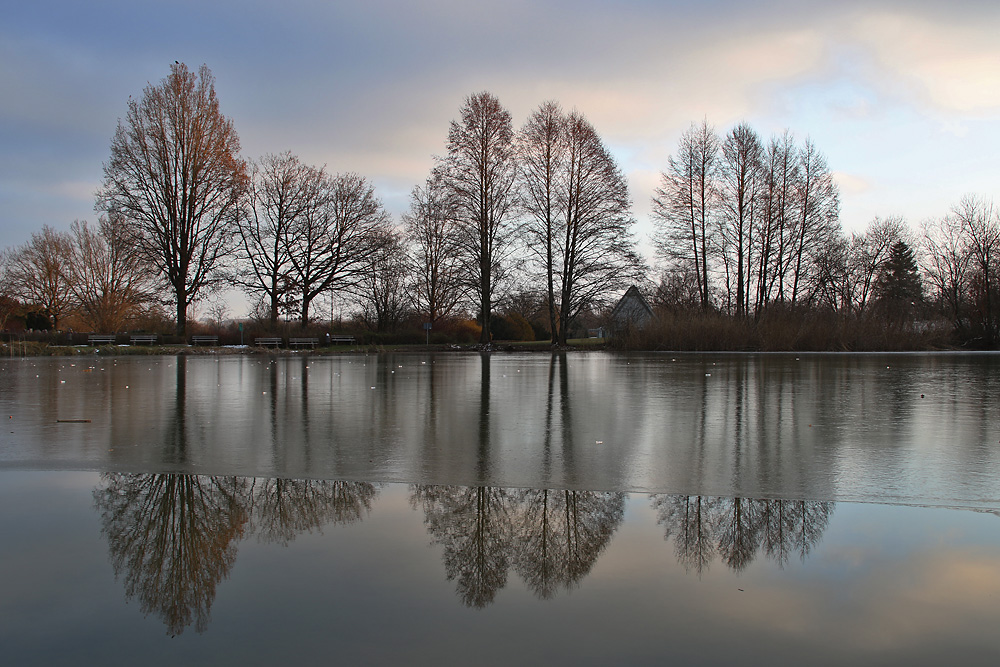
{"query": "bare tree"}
pixel 818 209
pixel 761 219
pixel 281 191
pixel 946 260
pixel 37 273
pixel 579 215
pixel 333 244
pixel 868 254
pixel 8 303
pixel 217 313
pixel 775 237
pixel 175 175
pixel 685 202
pixel 542 156
pixel 739 183
pixel 431 227
pixel 479 170
pixel 383 288
pixel 982 230
pixel 833 281
pixel 110 281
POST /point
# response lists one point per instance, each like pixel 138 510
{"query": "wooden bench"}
pixel 340 339
pixel 148 339
pixel 302 342
pixel 268 341
pixel 204 340
pixel 101 339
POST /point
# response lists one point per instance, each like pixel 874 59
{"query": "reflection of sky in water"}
pixel 880 584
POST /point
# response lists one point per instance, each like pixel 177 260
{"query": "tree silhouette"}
pixel 281 190
pixel 432 228
pixel 560 533
pixel 899 289
pixel 283 508
pixel 176 176
pixel 173 539
pixel 37 274
pixel 578 214
pixel 738 529
pixel 479 171
pixel 473 525
pixel 684 204
pixel 688 519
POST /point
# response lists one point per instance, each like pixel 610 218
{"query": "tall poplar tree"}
pixel 685 202
pixel 479 170
pixel 578 214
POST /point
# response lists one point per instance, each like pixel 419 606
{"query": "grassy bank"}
pixel 696 332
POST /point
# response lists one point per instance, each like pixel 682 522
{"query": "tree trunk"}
pixel 181 326
pixel 305 312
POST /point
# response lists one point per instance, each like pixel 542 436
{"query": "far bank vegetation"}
pixel 516 234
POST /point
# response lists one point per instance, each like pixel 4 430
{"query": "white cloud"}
pixel 956 66
pixel 851 184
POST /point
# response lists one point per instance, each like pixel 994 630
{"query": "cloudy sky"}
pixel 902 96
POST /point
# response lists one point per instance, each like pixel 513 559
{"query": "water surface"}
pixel 907 428
pixel 105 568
pixel 497 509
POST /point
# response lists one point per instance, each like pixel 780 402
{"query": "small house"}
pixel 632 311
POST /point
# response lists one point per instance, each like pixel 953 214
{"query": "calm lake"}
pixel 580 508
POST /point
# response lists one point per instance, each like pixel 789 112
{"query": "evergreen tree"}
pixel 899 289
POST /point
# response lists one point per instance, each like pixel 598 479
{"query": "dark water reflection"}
pixel 920 429
pixel 550 538
pixel 736 530
pixel 228 568
pixel 173 538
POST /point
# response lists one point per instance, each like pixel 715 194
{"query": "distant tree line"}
pixel 533 220
pixel 745 226
pixel 515 233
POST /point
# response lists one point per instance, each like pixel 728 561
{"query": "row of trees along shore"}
pixel 532 224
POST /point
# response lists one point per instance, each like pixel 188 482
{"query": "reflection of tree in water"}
pixel 551 538
pixel 560 534
pixel 737 529
pixel 173 537
pixel 473 526
pixel 283 508
pixel 688 520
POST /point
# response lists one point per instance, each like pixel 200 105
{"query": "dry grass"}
pixel 781 330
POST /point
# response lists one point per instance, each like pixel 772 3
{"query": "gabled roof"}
pixel 632 309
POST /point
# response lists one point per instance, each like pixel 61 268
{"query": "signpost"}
pixel 427 328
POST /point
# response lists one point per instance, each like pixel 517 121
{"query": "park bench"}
pixel 101 339
pixel 268 341
pixel 334 339
pixel 148 339
pixel 204 340
pixel 302 342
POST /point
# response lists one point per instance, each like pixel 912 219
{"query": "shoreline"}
pixel 30 349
